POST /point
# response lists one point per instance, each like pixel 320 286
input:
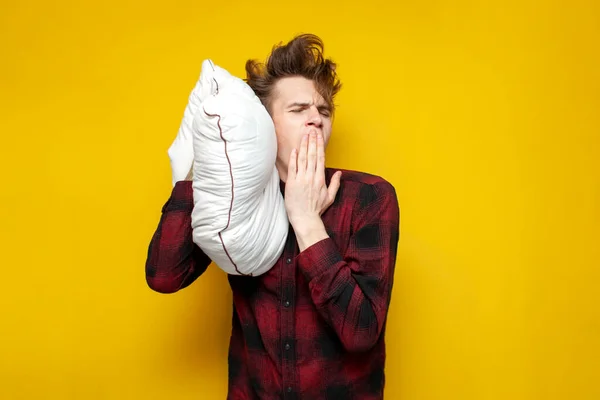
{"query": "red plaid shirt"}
pixel 313 326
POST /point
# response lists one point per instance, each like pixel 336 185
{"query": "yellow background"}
pixel 485 118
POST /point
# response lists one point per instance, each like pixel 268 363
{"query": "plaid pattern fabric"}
pixel 313 326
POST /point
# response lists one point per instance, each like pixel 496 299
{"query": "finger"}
pixel 302 156
pixel 292 164
pixel 320 170
pixel 334 185
pixel 311 163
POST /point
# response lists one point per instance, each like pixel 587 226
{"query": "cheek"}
pixel 284 143
pixel 327 132
pixel 287 134
pixel 279 129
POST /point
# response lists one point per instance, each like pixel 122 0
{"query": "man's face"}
pixel 297 109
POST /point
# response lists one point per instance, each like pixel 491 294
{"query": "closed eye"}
pixel 323 110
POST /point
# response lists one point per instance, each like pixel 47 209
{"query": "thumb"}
pixel 334 185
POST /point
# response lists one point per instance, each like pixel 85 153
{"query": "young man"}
pixel 313 326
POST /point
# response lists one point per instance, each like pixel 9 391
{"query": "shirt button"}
pixel 287 346
pixel 288 261
pixel 286 304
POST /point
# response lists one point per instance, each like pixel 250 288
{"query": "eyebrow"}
pixel 306 104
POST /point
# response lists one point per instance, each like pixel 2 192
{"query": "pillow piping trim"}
pixel 232 190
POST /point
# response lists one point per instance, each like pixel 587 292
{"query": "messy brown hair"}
pixel 302 56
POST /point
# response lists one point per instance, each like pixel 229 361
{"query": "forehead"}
pixel 296 89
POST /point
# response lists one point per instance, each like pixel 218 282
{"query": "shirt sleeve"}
pixel 174 261
pixel 352 291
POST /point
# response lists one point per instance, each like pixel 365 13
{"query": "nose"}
pixel 314 118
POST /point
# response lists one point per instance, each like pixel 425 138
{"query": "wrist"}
pixel 309 231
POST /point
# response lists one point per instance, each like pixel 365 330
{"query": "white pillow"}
pixel 239 218
pixel 181 151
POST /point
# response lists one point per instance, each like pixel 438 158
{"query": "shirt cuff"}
pixel 318 258
pixel 182 197
pixel 183 190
